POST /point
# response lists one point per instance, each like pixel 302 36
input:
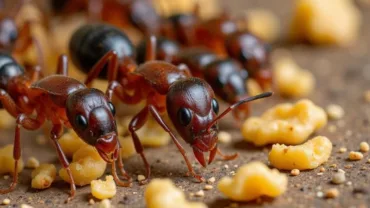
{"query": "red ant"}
pixel 190 102
pixel 17 40
pixel 65 102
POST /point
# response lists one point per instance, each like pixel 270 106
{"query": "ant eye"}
pixel 112 108
pixel 215 106
pixel 81 121
pixel 184 116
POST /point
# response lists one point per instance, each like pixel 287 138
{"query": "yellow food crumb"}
pixel 291 79
pixel 342 150
pixel 26 206
pixel 263 23
pixel 208 187
pixel 253 88
pixel 309 155
pixel 70 142
pixel 87 165
pixel 7 121
pixel 364 147
pixel 6 201
pixel 162 193
pixel 151 134
pixel 285 124
pixel 127 147
pixel 211 180
pixel 103 189
pixel 317 21
pixel 367 96
pixel 6 160
pixel 199 193
pixel 332 193
pixel 335 112
pixel 294 172
pixel 43 176
pixel 140 177
pixel 105 204
pixel 355 155
pixel 253 180
pixel 32 162
pixel 224 137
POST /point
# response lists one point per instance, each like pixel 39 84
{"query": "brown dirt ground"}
pixel 343 74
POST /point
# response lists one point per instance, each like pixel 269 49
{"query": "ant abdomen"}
pixel 9 69
pixel 91 42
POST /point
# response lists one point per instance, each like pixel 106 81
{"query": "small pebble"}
pixel 140 177
pixel 226 166
pixel 211 180
pixel 208 187
pixel 348 166
pixel 368 161
pixel 322 169
pixel 332 128
pixel 32 163
pixel 320 174
pixel 320 194
pixel 224 137
pixel 338 178
pixel 349 183
pixel 6 201
pixel 341 170
pixel 333 165
pixel 332 193
pixel 6 177
pixel 342 150
pixel 335 112
pixel 355 155
pixel 199 193
pixel 105 203
pixel 295 172
pixel 364 147
pixel 26 206
pixel 91 201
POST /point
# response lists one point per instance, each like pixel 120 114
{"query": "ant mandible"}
pixel 17 40
pixel 65 102
pixel 190 102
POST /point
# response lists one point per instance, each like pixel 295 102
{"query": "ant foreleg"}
pixel 109 58
pixel 121 168
pixel 160 121
pixel 27 123
pixel 55 133
pixel 136 123
pixel 8 103
pixel 117 89
pixel 62 67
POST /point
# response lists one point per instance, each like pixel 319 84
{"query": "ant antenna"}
pixel 230 108
pixel 151 48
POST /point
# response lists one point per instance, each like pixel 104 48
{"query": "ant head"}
pixel 191 106
pixel 8 33
pixel 249 50
pixel 92 117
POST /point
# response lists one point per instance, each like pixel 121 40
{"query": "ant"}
pixel 17 40
pixel 189 101
pixel 65 102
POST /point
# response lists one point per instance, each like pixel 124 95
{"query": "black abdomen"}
pixel 91 42
pixel 9 69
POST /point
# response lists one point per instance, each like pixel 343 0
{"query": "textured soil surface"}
pixel 342 77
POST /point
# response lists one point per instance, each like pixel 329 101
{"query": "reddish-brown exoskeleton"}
pixel 65 102
pixel 190 103
pixel 17 40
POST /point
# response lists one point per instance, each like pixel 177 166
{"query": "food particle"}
pixel 32 162
pixel 6 201
pixel 208 8
pixel 162 193
pixel 349 183
pixel 285 124
pixel 253 180
pixel 103 189
pixel 128 147
pixel 7 121
pixel 320 194
pixel 367 96
pixel 224 137
pixel 199 193
pixel 105 203
pixel 211 180
pixel 254 88
pixel 322 169
pixel 6 160
pixel 43 176
pixel 332 128
pixel 320 174
pixel 332 193
pixel 263 23
pixel 87 165
pixel 342 150
pixel 368 160
pixel 140 177
pixel 348 166
pixel 294 172
pixel 6 177
pixel 291 79
pixel 364 147
pixel 70 143
pixel 334 112
pixel 308 155
pixel 208 187
pixel 226 166
pixel 355 155
pixel 26 206
pixel 91 201
pixel 315 21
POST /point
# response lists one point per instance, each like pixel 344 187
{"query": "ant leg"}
pixel 116 88
pixel 160 121
pixel 8 103
pixel 109 58
pixel 35 74
pixel 62 67
pixel 120 165
pixel 227 157
pixel 27 123
pixel 136 123
pixel 55 133
pixel 151 48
